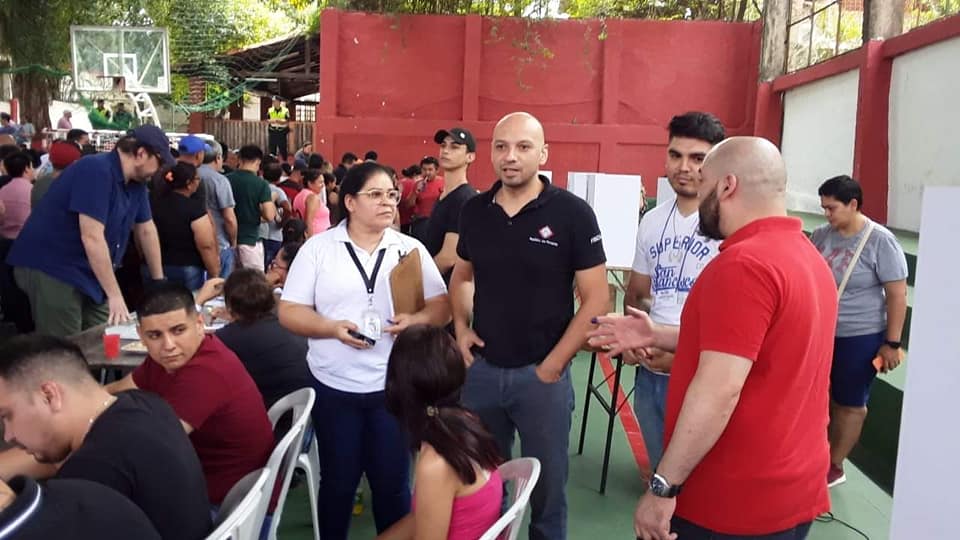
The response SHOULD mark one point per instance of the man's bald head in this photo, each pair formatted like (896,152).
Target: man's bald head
(741,179)
(754,161)
(518,149)
(521,122)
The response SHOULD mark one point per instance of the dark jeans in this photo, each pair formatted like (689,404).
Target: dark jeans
(277,143)
(356,435)
(270,249)
(688,531)
(510,400)
(191,277)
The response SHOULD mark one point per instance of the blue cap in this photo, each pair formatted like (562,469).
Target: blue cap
(154,138)
(191,145)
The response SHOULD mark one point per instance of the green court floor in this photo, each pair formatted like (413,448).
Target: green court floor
(593,516)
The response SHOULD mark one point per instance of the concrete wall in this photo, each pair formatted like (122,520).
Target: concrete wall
(924,116)
(819,123)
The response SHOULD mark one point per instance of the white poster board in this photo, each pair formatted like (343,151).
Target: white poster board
(925,496)
(548,174)
(665,192)
(615,199)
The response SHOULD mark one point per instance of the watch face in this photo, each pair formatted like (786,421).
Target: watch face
(657,486)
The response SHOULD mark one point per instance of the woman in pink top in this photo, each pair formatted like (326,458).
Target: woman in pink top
(15,194)
(311,205)
(458,492)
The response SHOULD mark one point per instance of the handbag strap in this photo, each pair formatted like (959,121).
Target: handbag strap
(853,261)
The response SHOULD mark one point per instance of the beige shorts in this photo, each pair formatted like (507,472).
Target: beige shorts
(250,256)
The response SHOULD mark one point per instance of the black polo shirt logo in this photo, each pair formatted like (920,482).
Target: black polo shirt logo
(545,233)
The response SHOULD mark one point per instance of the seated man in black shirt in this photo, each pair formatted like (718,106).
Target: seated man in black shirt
(457,151)
(55,413)
(69,509)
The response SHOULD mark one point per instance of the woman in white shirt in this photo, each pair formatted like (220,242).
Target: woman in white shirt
(337,294)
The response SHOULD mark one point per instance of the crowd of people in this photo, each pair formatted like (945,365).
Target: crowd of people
(734,319)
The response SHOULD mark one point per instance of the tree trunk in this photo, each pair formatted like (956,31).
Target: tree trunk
(35,91)
(741,10)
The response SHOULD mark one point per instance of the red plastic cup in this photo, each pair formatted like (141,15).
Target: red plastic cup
(111,346)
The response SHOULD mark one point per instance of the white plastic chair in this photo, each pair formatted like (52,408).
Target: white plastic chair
(283,459)
(309,463)
(241,513)
(524,473)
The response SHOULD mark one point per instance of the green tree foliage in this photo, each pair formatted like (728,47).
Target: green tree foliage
(36,33)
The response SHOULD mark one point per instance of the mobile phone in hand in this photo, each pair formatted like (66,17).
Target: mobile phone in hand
(357,335)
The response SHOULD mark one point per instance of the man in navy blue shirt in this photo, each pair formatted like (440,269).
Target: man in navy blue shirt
(65,256)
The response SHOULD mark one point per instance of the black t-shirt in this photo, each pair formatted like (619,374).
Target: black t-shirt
(275,358)
(173,214)
(524,268)
(445,218)
(71,509)
(138,447)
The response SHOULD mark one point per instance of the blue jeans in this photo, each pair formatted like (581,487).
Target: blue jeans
(689,531)
(649,403)
(356,435)
(228,257)
(514,399)
(190,277)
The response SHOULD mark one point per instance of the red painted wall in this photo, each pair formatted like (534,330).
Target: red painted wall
(603,90)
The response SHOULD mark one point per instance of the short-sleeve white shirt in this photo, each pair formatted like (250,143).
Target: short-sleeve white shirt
(324,276)
(671,250)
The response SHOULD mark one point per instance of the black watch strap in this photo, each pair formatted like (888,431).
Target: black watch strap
(661,487)
(892,344)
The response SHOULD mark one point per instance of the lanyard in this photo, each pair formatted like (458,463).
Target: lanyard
(368,281)
(683,261)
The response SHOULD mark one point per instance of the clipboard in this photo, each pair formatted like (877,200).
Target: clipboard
(406,284)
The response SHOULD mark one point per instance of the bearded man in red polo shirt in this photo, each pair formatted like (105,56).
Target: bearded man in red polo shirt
(746,419)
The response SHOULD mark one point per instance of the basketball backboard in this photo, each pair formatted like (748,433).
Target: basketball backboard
(135,58)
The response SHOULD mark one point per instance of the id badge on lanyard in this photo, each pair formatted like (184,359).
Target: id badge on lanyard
(371,323)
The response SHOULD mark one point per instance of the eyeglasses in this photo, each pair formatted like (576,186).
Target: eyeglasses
(278,266)
(380,195)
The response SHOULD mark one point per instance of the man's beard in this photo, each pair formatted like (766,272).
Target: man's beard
(710,217)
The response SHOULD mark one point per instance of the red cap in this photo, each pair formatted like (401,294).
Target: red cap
(63,153)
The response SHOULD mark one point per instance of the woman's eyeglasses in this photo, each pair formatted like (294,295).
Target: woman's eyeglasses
(380,195)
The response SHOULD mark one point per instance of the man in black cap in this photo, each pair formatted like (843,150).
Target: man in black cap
(279,118)
(65,255)
(458,149)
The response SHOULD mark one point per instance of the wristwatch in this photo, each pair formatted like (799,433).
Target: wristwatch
(660,487)
(892,344)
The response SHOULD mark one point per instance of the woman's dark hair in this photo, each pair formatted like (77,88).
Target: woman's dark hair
(842,188)
(314,161)
(357,177)
(17,163)
(411,171)
(329,178)
(289,251)
(294,230)
(424,376)
(179,176)
(248,295)
(310,176)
